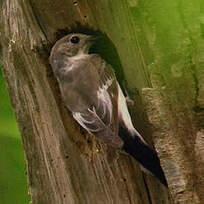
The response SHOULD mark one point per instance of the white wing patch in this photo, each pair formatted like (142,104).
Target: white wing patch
(80,118)
(89,120)
(93,118)
(104,99)
(124,115)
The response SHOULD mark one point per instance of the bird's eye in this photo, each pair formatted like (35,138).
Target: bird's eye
(75,39)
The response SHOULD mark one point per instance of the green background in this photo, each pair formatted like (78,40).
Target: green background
(13,187)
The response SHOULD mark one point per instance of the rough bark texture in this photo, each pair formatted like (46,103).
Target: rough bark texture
(160,46)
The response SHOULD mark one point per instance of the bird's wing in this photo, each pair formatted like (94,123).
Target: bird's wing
(134,144)
(100,118)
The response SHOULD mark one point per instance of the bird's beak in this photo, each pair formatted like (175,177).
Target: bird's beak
(92,38)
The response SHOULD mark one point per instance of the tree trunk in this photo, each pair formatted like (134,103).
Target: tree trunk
(160,46)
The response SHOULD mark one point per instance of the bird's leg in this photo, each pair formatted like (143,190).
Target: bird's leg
(129,101)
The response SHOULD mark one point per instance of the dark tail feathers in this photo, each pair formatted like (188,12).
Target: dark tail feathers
(143,154)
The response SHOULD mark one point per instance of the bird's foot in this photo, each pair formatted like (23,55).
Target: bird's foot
(129,101)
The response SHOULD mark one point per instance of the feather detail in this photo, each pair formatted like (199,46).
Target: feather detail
(134,144)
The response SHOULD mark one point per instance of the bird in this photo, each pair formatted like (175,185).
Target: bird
(92,94)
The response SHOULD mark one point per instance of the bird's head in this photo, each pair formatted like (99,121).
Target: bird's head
(72,45)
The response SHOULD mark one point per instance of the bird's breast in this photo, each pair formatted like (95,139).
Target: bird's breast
(79,88)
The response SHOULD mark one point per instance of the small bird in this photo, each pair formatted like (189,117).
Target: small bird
(91,92)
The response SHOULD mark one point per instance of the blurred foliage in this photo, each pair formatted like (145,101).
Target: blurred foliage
(13,187)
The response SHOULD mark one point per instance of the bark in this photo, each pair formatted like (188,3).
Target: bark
(160,47)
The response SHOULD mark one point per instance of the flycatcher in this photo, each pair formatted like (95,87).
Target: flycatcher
(91,92)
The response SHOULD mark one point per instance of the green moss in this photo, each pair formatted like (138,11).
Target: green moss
(13,188)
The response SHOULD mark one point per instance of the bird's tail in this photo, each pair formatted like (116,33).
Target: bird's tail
(145,155)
